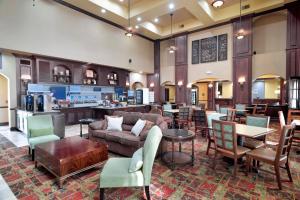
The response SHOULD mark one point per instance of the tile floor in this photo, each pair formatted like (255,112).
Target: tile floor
(19,140)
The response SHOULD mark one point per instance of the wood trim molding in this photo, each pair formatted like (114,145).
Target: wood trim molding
(0,60)
(98,17)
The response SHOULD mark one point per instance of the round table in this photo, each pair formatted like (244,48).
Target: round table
(173,158)
(86,121)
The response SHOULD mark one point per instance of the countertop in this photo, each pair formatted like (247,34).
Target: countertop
(38,112)
(121,107)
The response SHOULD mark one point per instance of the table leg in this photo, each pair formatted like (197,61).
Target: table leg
(193,156)
(60,183)
(172,163)
(179,146)
(35,164)
(80,129)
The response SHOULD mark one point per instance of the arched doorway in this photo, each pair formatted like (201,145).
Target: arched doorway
(4,116)
(268,89)
(137,85)
(169,92)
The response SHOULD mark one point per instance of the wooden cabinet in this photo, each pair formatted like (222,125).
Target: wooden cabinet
(73,115)
(43,68)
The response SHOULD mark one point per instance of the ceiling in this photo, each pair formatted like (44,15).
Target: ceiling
(188,14)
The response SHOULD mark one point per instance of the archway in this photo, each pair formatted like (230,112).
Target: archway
(268,89)
(4,108)
(137,85)
(168,91)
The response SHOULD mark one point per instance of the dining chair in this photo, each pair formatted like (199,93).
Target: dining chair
(168,117)
(254,109)
(294,115)
(115,172)
(183,117)
(240,114)
(225,137)
(281,119)
(276,158)
(199,118)
(40,130)
(202,106)
(259,121)
(217,107)
(210,137)
(230,113)
(263,109)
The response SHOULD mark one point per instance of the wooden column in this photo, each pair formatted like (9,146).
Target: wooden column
(211,97)
(181,67)
(293,40)
(155,77)
(242,61)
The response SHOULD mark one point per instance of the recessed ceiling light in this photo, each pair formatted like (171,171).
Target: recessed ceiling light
(156,20)
(217,3)
(140,72)
(137,27)
(171,6)
(103,10)
(139,19)
(121,0)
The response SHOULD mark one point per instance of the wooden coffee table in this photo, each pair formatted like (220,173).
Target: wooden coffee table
(69,156)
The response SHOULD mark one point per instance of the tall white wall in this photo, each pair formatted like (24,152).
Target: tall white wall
(9,71)
(269,42)
(54,30)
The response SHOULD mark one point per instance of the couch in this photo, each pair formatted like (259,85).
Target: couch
(124,142)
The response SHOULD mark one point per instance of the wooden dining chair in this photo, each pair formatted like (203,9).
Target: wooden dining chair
(183,117)
(276,158)
(281,119)
(294,115)
(217,106)
(210,137)
(225,137)
(263,109)
(168,117)
(199,118)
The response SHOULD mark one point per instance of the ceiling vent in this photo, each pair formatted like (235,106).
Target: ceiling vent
(245,7)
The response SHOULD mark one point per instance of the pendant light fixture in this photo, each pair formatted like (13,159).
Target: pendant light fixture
(129,32)
(240,33)
(172,47)
(217,3)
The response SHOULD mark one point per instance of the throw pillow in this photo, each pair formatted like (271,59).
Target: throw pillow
(138,127)
(146,129)
(114,123)
(136,162)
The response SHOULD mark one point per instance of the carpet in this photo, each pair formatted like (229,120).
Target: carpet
(189,182)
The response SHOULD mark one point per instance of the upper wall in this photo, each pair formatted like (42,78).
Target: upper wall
(222,69)
(54,30)
(167,63)
(269,43)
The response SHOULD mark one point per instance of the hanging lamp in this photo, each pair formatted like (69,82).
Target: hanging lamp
(129,32)
(172,47)
(240,34)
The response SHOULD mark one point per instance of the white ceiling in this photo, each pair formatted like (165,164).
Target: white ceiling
(188,14)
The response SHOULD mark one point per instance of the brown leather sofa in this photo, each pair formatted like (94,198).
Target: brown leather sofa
(124,142)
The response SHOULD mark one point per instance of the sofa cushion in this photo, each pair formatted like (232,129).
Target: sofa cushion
(114,136)
(155,118)
(129,139)
(146,129)
(130,118)
(126,127)
(98,125)
(100,133)
(138,127)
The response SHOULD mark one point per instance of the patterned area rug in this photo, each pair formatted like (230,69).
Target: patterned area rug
(188,182)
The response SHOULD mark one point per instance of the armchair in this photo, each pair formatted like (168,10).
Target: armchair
(40,130)
(116,173)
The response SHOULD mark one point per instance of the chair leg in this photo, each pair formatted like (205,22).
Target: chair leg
(278,177)
(101,193)
(147,191)
(208,146)
(29,150)
(288,171)
(32,154)
(214,160)
(235,167)
(248,162)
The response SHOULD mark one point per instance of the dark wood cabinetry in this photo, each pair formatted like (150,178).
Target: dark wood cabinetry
(73,115)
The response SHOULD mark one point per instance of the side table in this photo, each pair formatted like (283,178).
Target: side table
(86,121)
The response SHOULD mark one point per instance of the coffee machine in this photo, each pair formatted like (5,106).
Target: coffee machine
(40,103)
(29,102)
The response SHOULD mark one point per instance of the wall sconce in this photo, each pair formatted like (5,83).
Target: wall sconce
(152,85)
(25,78)
(127,84)
(180,83)
(242,80)
(189,85)
(210,85)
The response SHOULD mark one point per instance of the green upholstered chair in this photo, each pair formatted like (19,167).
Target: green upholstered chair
(40,130)
(259,121)
(226,142)
(116,173)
